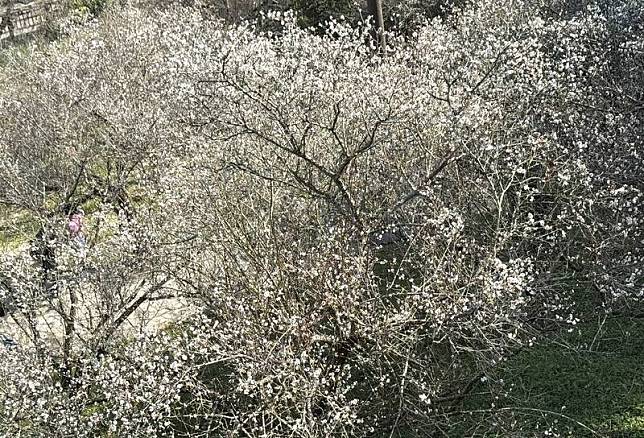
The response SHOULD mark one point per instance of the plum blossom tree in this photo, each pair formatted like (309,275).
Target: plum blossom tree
(356,254)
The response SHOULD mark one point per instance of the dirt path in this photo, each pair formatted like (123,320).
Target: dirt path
(47,321)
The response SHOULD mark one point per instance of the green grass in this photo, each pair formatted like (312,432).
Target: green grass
(589,379)
(16,228)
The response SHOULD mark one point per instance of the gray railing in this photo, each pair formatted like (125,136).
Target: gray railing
(23,17)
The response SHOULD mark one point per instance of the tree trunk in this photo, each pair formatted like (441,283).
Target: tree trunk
(378,33)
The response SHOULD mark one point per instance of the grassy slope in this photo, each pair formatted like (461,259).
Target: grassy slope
(593,376)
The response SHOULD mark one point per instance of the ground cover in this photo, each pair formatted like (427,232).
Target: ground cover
(586,382)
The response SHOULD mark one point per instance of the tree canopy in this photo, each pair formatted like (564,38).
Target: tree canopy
(354,239)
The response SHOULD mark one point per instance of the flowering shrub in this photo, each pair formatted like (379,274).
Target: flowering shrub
(359,238)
